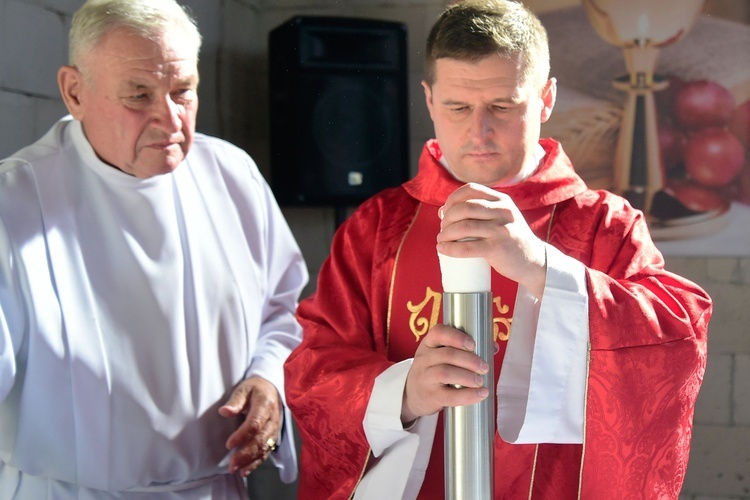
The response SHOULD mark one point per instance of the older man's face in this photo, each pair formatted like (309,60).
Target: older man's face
(138,101)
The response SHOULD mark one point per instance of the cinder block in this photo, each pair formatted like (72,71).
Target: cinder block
(46,113)
(271,19)
(34,42)
(724,270)
(714,405)
(703,497)
(313,230)
(64,6)
(728,330)
(16,122)
(301,4)
(363,4)
(244,35)
(745,271)
(419,116)
(540,6)
(719,462)
(692,268)
(741,393)
(244,64)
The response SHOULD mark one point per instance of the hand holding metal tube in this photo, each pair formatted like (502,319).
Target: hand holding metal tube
(479,222)
(445,358)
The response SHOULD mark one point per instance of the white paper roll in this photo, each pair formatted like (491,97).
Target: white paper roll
(465,275)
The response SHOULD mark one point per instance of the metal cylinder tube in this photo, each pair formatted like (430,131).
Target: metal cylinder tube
(469,430)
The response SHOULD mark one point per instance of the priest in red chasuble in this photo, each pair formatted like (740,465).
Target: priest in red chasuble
(601,351)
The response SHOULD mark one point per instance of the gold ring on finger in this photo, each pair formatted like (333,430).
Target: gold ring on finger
(271,444)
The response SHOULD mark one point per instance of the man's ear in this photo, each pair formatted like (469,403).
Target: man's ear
(428,96)
(71,83)
(549,96)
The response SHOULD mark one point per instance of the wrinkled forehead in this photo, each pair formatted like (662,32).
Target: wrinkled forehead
(172,44)
(125,50)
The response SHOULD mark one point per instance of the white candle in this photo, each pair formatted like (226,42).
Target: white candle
(465,275)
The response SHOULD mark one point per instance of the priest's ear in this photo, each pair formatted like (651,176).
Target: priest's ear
(70,81)
(548,97)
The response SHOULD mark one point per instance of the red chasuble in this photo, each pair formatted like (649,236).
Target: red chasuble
(380,291)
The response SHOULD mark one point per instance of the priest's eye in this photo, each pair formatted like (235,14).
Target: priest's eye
(183,96)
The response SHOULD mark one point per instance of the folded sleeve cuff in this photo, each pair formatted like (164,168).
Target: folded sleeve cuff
(543,378)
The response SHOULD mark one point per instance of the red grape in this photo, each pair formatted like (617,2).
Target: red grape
(696,197)
(713,157)
(672,144)
(701,104)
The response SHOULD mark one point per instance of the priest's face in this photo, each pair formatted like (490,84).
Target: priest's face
(137,99)
(487,121)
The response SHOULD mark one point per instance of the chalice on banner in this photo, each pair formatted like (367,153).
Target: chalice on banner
(641,28)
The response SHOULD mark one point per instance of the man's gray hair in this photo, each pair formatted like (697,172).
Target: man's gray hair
(147,18)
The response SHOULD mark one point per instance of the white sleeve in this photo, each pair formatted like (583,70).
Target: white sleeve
(400,456)
(7,354)
(280,333)
(13,318)
(542,382)
(286,275)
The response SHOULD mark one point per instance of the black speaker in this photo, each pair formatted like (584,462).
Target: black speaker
(338,110)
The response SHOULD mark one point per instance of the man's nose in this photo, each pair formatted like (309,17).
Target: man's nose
(481,125)
(167,115)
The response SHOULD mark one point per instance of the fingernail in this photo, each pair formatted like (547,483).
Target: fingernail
(441,212)
(483,367)
(483,392)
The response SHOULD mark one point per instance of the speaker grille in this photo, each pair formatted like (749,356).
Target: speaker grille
(342,133)
(339,123)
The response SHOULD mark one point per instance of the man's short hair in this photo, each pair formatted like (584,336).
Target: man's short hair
(147,18)
(473,29)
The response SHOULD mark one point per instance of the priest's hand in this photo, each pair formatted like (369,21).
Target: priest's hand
(259,401)
(445,358)
(480,222)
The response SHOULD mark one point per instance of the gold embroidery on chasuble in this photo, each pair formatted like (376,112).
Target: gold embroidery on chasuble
(426,314)
(416,292)
(501,320)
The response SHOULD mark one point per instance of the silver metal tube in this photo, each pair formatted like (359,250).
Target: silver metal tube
(469,430)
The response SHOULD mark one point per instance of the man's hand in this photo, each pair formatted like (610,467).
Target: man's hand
(445,357)
(480,222)
(259,401)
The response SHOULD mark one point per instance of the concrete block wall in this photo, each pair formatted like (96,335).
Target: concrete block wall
(719,467)
(32,38)
(234,105)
